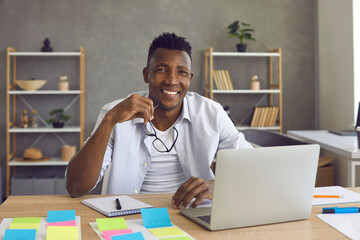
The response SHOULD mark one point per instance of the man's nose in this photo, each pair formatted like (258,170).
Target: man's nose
(172,78)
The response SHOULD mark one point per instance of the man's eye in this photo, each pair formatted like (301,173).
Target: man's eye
(160,70)
(184,73)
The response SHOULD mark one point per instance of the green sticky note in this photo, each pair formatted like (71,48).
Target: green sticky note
(178,238)
(24,226)
(111,224)
(26,220)
(62,233)
(166,232)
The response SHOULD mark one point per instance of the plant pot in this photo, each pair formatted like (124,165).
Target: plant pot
(241,47)
(58,124)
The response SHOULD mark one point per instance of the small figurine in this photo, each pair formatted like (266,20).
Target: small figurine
(63,84)
(46,47)
(34,119)
(255,83)
(24,119)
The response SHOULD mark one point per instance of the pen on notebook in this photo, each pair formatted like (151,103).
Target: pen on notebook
(341,210)
(328,196)
(118,205)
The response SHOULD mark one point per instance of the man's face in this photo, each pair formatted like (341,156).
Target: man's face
(169,75)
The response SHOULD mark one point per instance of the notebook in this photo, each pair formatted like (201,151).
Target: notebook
(107,205)
(260,186)
(348,132)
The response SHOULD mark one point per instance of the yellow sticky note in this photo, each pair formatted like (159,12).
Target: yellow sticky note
(111,224)
(24,225)
(166,232)
(62,233)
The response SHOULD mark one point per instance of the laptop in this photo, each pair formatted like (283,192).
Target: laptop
(349,132)
(260,186)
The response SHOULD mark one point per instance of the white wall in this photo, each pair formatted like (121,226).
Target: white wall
(356,30)
(336,64)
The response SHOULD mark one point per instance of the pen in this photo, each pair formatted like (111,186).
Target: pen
(118,205)
(341,210)
(328,196)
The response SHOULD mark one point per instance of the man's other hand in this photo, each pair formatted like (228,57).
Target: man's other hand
(194,187)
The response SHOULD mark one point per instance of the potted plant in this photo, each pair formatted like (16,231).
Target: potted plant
(59,118)
(243,32)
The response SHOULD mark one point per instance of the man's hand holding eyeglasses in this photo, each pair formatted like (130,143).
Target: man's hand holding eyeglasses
(194,187)
(134,106)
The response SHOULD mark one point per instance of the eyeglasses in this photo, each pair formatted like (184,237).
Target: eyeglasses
(158,144)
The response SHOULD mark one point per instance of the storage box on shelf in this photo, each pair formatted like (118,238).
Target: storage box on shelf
(274,89)
(48,96)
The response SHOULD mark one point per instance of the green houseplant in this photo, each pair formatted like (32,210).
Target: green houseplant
(59,118)
(243,32)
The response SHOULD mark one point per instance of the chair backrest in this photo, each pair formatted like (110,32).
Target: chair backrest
(266,138)
(105,180)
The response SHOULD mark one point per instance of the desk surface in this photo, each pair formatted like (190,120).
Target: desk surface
(37,206)
(344,145)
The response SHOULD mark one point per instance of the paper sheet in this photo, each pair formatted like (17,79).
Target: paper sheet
(40,234)
(137,226)
(348,224)
(349,196)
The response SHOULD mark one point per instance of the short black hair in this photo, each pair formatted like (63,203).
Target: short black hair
(169,41)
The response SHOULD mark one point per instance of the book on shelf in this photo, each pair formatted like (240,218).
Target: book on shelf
(222,80)
(264,116)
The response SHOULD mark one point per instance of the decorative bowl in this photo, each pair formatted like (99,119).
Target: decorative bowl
(30,85)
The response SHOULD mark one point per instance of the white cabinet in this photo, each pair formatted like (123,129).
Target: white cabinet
(275,85)
(15,96)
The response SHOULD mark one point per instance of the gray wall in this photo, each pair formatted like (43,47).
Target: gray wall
(116,35)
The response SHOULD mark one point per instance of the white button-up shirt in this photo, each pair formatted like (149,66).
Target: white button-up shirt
(203,126)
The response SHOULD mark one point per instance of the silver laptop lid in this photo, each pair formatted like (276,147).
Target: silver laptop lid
(263,185)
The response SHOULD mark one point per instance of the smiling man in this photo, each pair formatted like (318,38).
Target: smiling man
(160,141)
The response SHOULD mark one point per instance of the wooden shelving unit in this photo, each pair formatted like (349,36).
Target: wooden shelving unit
(275,88)
(11,102)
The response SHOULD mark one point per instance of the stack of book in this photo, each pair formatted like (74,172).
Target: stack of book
(222,80)
(264,116)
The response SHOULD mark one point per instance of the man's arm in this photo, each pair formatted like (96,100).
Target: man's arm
(84,169)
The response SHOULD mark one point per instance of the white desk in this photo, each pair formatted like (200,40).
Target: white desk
(346,146)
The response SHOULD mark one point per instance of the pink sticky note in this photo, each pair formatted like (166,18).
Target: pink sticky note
(62,224)
(108,233)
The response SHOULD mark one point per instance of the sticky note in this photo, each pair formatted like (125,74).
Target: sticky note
(178,238)
(60,216)
(62,233)
(155,217)
(20,234)
(111,224)
(26,220)
(130,236)
(107,234)
(167,232)
(63,224)
(24,226)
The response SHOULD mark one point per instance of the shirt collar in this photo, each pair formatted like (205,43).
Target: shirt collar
(184,114)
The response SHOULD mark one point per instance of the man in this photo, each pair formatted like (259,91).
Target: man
(163,140)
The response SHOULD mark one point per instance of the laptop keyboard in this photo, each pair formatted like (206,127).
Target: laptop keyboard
(205,218)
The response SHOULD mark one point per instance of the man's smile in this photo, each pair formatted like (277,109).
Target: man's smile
(173,93)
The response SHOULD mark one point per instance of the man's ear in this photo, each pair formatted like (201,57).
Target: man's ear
(145,75)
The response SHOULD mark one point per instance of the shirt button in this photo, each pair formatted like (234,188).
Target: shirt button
(145,164)
(135,191)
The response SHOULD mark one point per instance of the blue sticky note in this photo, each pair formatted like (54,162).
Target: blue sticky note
(20,234)
(60,216)
(130,236)
(155,217)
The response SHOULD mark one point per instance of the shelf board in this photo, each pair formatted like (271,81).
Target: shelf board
(55,161)
(246,54)
(42,92)
(45,54)
(242,127)
(66,129)
(247,91)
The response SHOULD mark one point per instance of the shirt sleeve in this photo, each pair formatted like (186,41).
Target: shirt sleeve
(230,137)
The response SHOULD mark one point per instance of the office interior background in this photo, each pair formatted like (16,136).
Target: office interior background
(318,41)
